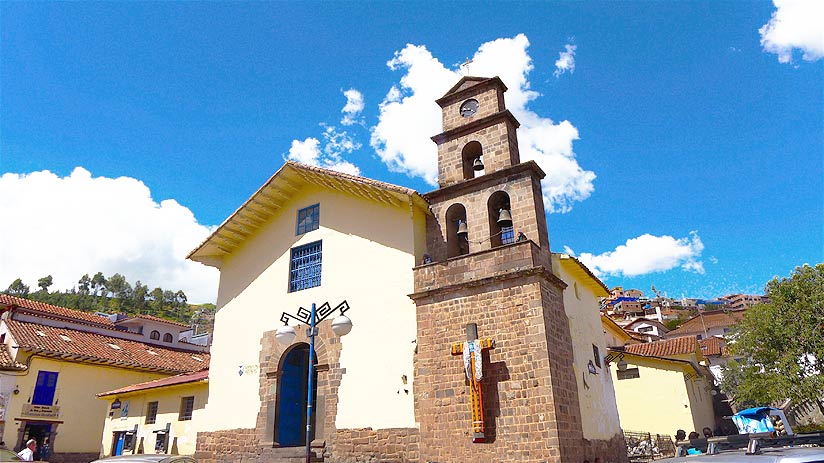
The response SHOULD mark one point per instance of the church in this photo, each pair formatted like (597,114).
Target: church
(470,340)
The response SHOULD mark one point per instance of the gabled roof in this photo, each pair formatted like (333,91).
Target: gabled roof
(83,346)
(580,271)
(715,319)
(152,318)
(466,83)
(184,378)
(668,347)
(281,187)
(53,311)
(610,325)
(649,321)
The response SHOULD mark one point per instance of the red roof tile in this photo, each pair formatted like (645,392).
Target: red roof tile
(712,345)
(6,362)
(184,378)
(81,345)
(53,310)
(675,346)
(716,319)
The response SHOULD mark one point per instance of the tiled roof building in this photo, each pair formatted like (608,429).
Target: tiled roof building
(684,345)
(708,324)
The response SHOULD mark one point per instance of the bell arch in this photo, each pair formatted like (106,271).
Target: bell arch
(456,243)
(472,159)
(499,212)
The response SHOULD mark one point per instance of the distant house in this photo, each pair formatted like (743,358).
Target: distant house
(647,327)
(744,301)
(156,416)
(708,324)
(662,386)
(60,358)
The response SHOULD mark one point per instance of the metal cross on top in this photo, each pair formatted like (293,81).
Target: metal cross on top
(473,364)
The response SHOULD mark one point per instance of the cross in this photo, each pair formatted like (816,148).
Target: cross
(465,67)
(473,364)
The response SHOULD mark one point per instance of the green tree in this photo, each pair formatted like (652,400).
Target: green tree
(44,283)
(17,288)
(84,284)
(781,344)
(98,283)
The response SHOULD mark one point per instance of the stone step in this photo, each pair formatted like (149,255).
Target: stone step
(290,455)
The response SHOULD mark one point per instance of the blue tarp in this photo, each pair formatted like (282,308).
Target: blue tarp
(754,420)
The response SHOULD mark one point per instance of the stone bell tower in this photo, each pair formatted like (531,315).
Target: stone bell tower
(489,267)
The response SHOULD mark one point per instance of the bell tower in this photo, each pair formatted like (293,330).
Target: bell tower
(490,267)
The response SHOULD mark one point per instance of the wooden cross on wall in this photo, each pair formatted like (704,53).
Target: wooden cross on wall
(471,351)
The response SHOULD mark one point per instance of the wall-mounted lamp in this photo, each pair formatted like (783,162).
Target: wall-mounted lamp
(622,365)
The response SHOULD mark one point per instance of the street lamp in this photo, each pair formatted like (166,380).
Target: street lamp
(341,325)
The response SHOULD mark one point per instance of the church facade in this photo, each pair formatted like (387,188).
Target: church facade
(471,340)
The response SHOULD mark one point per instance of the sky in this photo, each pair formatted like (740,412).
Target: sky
(683,141)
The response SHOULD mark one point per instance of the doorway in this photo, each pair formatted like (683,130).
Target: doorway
(290,429)
(36,431)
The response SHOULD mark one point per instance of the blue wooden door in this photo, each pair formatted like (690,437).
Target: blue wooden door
(291,426)
(45,387)
(121,436)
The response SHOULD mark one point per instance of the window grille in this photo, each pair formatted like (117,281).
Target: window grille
(308,219)
(507,235)
(305,269)
(151,413)
(187,405)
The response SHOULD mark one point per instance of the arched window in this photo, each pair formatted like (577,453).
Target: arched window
(471,153)
(500,229)
(456,243)
(155,335)
(167,337)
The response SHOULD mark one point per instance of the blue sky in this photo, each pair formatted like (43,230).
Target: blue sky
(683,140)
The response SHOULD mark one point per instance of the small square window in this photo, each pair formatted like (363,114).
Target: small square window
(308,219)
(151,413)
(305,267)
(187,405)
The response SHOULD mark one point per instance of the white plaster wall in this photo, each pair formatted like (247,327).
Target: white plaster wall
(368,255)
(599,410)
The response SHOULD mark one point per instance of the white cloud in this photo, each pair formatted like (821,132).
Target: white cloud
(78,224)
(409,116)
(306,151)
(336,144)
(353,108)
(795,24)
(647,254)
(566,61)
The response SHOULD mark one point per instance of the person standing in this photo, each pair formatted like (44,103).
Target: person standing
(45,450)
(27,454)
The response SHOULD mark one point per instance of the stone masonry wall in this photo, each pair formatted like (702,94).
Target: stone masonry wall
(233,445)
(529,394)
(399,445)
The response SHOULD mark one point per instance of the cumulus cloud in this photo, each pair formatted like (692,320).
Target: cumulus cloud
(795,24)
(566,61)
(336,143)
(353,108)
(647,254)
(409,116)
(78,224)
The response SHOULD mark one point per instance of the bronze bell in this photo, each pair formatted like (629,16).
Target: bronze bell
(462,229)
(504,218)
(478,164)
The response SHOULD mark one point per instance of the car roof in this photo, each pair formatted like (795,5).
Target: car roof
(773,455)
(144,458)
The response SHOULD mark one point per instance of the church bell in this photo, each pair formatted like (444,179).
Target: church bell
(462,230)
(504,218)
(478,164)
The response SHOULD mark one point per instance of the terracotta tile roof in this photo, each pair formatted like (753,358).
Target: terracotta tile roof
(54,311)
(152,318)
(66,343)
(675,346)
(717,319)
(184,378)
(6,362)
(712,346)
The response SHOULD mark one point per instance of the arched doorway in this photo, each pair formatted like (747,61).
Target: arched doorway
(290,429)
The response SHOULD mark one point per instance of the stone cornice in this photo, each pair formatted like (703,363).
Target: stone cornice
(474,126)
(485,180)
(538,271)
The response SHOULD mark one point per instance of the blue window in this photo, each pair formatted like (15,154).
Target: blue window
(308,219)
(45,387)
(507,235)
(304,271)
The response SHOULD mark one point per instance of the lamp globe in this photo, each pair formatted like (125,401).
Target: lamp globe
(285,335)
(341,325)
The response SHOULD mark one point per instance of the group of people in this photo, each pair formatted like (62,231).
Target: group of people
(31,453)
(682,435)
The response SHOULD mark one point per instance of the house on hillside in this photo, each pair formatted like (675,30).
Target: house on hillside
(662,386)
(708,324)
(58,359)
(156,416)
(647,327)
